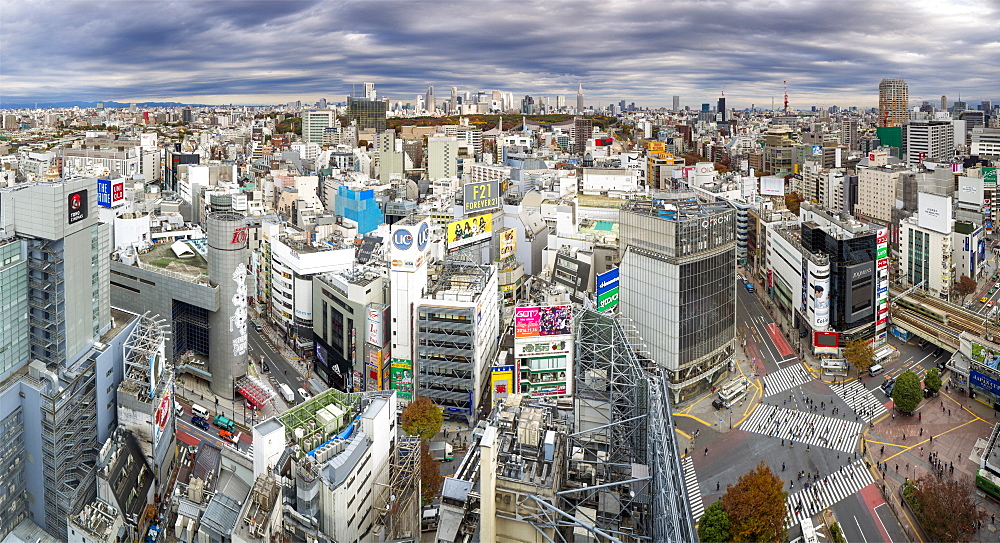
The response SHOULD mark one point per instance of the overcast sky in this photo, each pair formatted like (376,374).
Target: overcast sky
(219,52)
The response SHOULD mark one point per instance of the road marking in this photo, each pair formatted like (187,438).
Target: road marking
(784,379)
(860,531)
(861,400)
(878,517)
(826,492)
(693,490)
(793,425)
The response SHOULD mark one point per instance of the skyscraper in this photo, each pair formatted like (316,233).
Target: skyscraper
(677,103)
(453,106)
(893,97)
(367,113)
(429,99)
(579,99)
(369,90)
(721,109)
(944,103)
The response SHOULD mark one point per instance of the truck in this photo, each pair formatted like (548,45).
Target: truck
(224,422)
(441,451)
(286,393)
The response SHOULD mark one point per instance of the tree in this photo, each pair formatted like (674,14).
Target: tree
(860,353)
(422,418)
(793,201)
(756,506)
(965,286)
(431,480)
(906,392)
(945,508)
(932,380)
(714,524)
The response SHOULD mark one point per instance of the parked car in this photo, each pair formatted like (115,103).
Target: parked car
(227,435)
(199,422)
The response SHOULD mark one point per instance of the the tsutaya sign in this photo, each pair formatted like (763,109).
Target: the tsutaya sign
(607,290)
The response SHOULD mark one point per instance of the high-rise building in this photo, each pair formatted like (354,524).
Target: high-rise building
(677,103)
(442,157)
(453,106)
(944,103)
(429,100)
(721,109)
(315,123)
(928,140)
(369,90)
(367,113)
(677,284)
(893,97)
(583,129)
(849,134)
(986,106)
(579,99)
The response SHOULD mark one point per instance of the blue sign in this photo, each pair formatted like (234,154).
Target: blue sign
(423,236)
(984,382)
(402,239)
(104,192)
(982,250)
(607,281)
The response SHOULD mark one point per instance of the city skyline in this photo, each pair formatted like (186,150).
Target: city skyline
(270,52)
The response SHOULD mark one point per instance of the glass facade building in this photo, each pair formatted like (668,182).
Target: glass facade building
(14,345)
(678,285)
(367,113)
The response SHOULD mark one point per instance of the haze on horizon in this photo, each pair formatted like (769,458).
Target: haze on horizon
(643,51)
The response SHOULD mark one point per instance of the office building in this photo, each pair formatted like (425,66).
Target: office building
(367,113)
(351,329)
(925,252)
(579,100)
(927,140)
(583,130)
(442,157)
(893,100)
(877,185)
(850,137)
(986,143)
(315,123)
(723,114)
(688,249)
(676,103)
(430,100)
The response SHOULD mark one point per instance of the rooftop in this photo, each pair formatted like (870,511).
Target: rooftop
(675,205)
(160,256)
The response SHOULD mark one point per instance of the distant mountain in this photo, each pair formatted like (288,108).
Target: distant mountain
(89,105)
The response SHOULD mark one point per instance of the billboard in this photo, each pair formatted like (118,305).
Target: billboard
(542,347)
(401,377)
(819,292)
(376,316)
(934,212)
(826,342)
(570,272)
(470,230)
(508,243)
(881,285)
(550,320)
(502,381)
(148,140)
(990,175)
(970,190)
(607,290)
(481,196)
(164,410)
(408,245)
(772,186)
(373,370)
(76,206)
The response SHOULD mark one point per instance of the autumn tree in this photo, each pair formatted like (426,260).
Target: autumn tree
(945,508)
(422,418)
(860,353)
(756,506)
(431,480)
(906,393)
(714,524)
(793,200)
(965,286)
(932,380)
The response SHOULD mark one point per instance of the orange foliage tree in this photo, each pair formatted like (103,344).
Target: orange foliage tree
(431,480)
(422,418)
(756,506)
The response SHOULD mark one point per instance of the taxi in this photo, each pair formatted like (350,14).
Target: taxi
(984,299)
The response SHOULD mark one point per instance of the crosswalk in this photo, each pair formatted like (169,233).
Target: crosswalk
(823,493)
(694,492)
(784,379)
(860,399)
(798,426)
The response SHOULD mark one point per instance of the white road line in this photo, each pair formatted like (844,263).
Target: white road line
(799,426)
(859,399)
(860,531)
(694,491)
(828,491)
(784,379)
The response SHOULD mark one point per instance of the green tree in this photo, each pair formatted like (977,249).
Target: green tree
(945,508)
(422,418)
(906,393)
(932,380)
(859,353)
(756,506)
(714,524)
(431,480)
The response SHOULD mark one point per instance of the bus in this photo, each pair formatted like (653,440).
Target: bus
(733,391)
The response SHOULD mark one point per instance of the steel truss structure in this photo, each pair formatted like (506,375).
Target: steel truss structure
(624,479)
(398,503)
(143,357)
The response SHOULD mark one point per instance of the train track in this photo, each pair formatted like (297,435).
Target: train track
(959,318)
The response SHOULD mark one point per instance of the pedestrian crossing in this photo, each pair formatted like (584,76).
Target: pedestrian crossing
(693,490)
(860,399)
(822,493)
(798,426)
(784,379)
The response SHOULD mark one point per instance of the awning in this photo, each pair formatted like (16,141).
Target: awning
(255,391)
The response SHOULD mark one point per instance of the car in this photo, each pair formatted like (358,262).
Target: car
(257,327)
(199,422)
(887,385)
(993,289)
(265,367)
(997,285)
(305,395)
(984,299)
(227,435)
(803,333)
(938,352)
(990,303)
(718,404)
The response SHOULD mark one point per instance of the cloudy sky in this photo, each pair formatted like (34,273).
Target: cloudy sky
(219,52)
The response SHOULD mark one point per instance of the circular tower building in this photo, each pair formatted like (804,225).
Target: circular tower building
(227,270)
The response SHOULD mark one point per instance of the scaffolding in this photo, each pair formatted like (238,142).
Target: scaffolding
(398,503)
(144,356)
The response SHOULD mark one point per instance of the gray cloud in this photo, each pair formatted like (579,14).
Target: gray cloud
(222,51)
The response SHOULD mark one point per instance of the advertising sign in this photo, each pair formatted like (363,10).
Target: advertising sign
(881,286)
(984,382)
(524,348)
(772,186)
(470,230)
(607,290)
(148,140)
(408,245)
(162,417)
(76,206)
(401,377)
(502,381)
(820,292)
(817,150)
(373,370)
(481,196)
(990,175)
(550,320)
(104,192)
(571,273)
(934,212)
(375,321)
(508,243)
(825,342)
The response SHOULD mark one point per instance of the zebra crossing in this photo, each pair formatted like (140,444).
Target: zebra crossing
(784,379)
(860,399)
(693,490)
(830,432)
(822,493)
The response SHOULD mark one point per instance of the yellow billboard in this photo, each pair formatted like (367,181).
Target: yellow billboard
(508,243)
(470,230)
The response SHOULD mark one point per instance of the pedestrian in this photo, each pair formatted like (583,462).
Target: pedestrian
(782,466)
(717,486)
(932,438)
(921,432)
(706,451)
(949,411)
(920,417)
(882,450)
(897,468)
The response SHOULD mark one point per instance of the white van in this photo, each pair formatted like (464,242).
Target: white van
(875,370)
(178,409)
(199,411)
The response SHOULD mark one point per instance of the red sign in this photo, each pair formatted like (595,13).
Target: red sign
(770,278)
(117,192)
(241,235)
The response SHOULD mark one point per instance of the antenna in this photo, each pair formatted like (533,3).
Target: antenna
(786,95)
